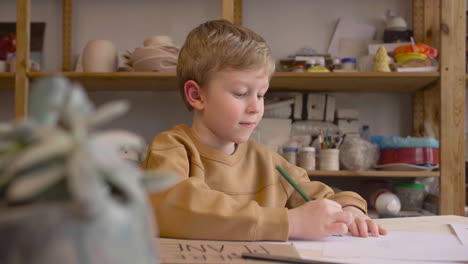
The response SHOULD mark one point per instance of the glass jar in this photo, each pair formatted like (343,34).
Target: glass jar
(336,65)
(290,154)
(365,133)
(411,195)
(307,158)
(349,64)
(299,68)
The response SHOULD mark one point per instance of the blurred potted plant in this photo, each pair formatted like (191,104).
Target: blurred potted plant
(66,196)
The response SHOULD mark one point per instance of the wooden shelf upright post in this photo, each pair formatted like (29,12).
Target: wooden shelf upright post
(23,29)
(441,24)
(426,105)
(67,36)
(232,11)
(452,106)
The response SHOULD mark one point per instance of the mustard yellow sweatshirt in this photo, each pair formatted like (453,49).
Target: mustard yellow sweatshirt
(228,197)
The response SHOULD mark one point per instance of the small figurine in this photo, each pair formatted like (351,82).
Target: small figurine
(382,60)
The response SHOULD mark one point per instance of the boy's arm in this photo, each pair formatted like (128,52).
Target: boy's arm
(320,218)
(190,209)
(315,190)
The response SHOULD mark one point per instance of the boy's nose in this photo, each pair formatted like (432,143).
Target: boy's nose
(254,105)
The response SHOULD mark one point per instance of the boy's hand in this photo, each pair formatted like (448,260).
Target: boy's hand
(362,224)
(318,219)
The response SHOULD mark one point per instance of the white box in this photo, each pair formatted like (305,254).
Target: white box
(347,113)
(298,105)
(330,107)
(278,109)
(349,126)
(316,106)
(297,96)
(320,107)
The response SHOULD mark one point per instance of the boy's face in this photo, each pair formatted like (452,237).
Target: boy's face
(233,105)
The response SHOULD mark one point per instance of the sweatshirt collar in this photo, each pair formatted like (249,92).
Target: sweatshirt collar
(215,154)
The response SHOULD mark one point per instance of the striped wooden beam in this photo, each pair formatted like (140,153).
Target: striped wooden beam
(67,37)
(452,106)
(23,29)
(232,11)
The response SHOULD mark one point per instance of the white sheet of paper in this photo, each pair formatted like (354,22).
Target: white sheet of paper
(368,260)
(352,47)
(411,246)
(347,28)
(462,232)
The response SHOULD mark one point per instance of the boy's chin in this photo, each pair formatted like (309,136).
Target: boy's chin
(241,140)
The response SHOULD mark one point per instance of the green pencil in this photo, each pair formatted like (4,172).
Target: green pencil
(290,180)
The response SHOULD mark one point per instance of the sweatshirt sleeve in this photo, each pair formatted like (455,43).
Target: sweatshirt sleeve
(316,190)
(192,210)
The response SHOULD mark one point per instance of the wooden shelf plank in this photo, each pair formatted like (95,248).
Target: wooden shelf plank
(287,81)
(7,81)
(353,82)
(124,81)
(374,173)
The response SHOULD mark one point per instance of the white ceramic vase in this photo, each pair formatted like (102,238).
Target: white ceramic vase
(100,56)
(387,204)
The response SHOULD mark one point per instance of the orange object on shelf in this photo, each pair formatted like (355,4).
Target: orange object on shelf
(422,48)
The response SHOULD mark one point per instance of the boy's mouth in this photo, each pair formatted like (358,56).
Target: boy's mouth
(247,124)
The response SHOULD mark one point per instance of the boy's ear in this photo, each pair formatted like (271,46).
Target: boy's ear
(193,94)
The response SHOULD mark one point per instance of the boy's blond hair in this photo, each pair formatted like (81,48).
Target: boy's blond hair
(217,45)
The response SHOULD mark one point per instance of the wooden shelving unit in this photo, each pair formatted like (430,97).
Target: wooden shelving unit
(7,81)
(439,97)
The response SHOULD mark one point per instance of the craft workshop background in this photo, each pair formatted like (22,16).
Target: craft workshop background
(339,38)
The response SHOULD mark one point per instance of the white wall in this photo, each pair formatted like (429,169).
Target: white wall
(6,105)
(286,25)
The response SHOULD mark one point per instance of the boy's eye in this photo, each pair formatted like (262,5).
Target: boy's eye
(260,96)
(240,94)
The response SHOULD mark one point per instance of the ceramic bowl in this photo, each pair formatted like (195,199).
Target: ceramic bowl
(414,155)
(397,23)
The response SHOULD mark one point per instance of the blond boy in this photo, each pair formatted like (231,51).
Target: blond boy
(229,188)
